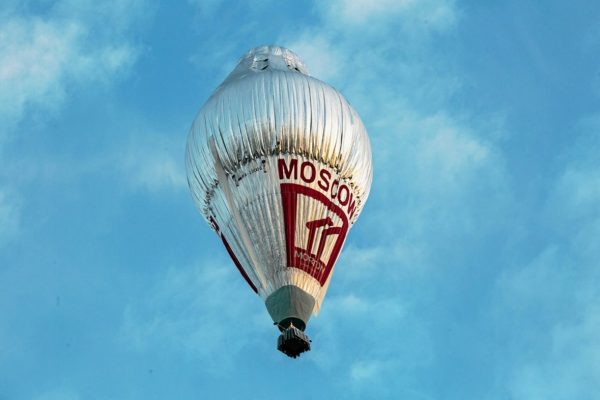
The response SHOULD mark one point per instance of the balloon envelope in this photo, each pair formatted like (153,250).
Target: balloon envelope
(279,164)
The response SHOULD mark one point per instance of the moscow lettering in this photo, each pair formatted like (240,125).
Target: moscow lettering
(308,173)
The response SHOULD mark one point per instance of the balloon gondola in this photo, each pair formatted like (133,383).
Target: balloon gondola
(279,165)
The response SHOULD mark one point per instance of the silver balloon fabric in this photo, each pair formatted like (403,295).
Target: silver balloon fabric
(279,164)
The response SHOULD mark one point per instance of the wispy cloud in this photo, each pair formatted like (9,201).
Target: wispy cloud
(152,163)
(45,57)
(145,161)
(567,364)
(554,298)
(202,312)
(432,14)
(315,48)
(387,351)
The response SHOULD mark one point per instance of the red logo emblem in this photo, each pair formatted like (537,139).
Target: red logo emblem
(315,230)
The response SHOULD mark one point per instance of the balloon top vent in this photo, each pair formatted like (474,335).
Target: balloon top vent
(265,58)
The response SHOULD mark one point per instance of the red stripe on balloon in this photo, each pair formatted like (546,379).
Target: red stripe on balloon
(237,264)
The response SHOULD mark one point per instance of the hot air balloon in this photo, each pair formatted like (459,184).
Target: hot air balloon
(279,165)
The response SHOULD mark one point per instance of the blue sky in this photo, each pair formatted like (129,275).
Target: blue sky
(472,273)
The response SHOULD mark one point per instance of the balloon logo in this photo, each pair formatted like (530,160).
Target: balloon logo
(279,164)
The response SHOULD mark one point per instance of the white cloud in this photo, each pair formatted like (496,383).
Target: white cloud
(315,49)
(204,312)
(572,208)
(153,163)
(350,303)
(440,150)
(43,58)
(385,351)
(32,65)
(580,188)
(549,270)
(360,262)
(137,158)
(554,299)
(364,370)
(114,20)
(556,351)
(568,367)
(431,14)
(437,182)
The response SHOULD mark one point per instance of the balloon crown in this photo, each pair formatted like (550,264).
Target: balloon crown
(267,58)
